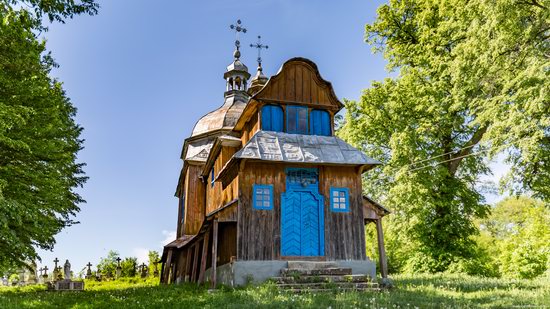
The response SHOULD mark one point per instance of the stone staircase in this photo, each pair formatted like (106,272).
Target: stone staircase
(305,276)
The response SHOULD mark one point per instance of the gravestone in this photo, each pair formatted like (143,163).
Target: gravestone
(5,281)
(89,271)
(118,269)
(45,275)
(66,284)
(143,270)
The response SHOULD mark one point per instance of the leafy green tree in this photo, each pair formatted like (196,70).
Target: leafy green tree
(517,237)
(39,138)
(129,267)
(107,265)
(472,82)
(154,258)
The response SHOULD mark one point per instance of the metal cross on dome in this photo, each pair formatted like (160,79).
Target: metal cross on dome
(238,28)
(259,46)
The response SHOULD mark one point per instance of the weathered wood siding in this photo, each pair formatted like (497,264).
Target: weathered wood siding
(299,82)
(251,127)
(259,231)
(344,231)
(216,196)
(194,200)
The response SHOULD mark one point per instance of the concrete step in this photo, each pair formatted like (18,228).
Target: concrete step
(333,290)
(335,271)
(322,278)
(308,265)
(329,286)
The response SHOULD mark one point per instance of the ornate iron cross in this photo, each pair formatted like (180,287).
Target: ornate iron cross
(238,28)
(259,46)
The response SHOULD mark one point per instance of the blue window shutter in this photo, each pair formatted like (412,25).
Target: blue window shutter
(339,199)
(266,118)
(325,121)
(272,118)
(320,123)
(262,197)
(277,119)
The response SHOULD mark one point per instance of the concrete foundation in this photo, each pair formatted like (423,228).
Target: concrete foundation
(240,273)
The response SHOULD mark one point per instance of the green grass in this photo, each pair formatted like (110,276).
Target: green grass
(412,291)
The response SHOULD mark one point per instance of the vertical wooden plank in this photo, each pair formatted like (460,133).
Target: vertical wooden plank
(204,256)
(381,249)
(214,253)
(306,92)
(290,84)
(299,83)
(195,262)
(168,267)
(187,271)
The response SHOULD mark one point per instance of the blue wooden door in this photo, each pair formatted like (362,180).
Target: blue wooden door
(302,222)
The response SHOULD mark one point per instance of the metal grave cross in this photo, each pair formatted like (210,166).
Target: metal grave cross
(259,46)
(238,28)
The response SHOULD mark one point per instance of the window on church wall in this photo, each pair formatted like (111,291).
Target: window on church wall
(262,197)
(339,199)
(272,118)
(296,119)
(320,123)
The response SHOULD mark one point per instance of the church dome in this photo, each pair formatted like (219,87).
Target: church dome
(224,117)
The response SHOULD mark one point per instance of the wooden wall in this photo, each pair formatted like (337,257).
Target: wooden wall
(344,232)
(251,127)
(216,196)
(194,200)
(299,82)
(258,231)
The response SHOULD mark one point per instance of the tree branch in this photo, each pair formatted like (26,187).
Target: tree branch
(467,149)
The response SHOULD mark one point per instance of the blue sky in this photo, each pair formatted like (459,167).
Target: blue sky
(141,73)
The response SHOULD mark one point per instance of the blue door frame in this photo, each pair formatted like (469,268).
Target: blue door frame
(302,214)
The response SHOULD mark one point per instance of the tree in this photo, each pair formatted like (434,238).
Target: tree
(129,267)
(472,83)
(39,139)
(517,235)
(154,259)
(107,265)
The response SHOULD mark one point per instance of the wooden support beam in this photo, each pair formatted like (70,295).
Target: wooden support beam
(381,249)
(214,253)
(204,256)
(195,262)
(187,271)
(168,267)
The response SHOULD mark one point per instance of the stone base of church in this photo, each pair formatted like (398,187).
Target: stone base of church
(238,273)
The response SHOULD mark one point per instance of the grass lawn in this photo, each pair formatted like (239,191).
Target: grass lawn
(418,291)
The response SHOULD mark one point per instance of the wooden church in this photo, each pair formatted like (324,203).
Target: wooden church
(266,184)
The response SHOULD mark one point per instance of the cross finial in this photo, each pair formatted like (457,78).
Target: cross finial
(238,28)
(259,46)
(89,264)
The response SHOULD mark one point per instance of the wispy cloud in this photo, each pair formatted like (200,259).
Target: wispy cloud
(169,236)
(142,254)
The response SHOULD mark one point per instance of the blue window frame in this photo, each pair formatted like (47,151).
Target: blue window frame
(339,199)
(272,118)
(212,178)
(320,123)
(296,119)
(262,197)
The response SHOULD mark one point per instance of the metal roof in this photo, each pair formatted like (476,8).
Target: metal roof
(224,117)
(285,147)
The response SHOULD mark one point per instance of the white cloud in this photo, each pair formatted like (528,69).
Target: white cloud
(169,236)
(142,254)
